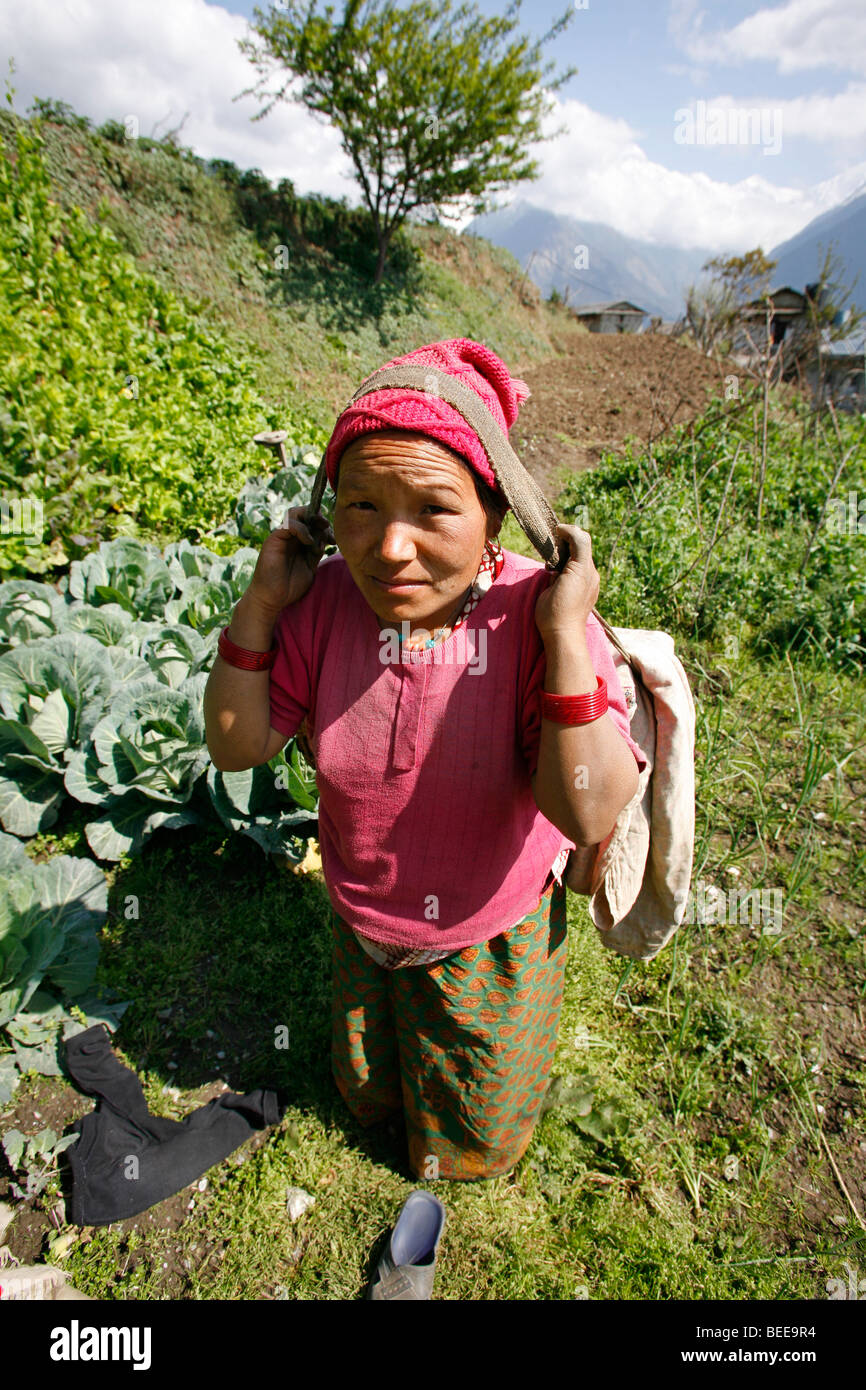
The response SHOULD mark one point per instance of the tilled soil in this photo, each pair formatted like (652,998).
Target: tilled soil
(606,388)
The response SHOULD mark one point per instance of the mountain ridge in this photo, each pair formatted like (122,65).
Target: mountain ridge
(843,227)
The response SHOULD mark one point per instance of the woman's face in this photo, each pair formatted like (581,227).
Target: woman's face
(409,525)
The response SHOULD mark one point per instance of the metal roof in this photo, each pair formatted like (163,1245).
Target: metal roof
(853,345)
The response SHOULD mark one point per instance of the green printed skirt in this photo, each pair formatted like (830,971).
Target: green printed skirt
(464,1046)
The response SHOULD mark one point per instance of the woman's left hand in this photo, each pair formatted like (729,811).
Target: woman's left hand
(564,606)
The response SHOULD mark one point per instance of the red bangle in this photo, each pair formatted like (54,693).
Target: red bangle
(575,709)
(242,658)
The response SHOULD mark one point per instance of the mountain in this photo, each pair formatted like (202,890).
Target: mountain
(591,259)
(843,228)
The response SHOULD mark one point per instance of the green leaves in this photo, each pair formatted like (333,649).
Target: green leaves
(131,415)
(151,740)
(107,707)
(52,693)
(27,610)
(271,803)
(125,413)
(665,563)
(34,1159)
(50,916)
(262,503)
(576,1097)
(128,573)
(300,778)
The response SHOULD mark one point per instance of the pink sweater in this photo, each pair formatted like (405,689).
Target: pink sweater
(429,833)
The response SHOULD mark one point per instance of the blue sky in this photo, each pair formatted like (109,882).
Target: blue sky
(660,141)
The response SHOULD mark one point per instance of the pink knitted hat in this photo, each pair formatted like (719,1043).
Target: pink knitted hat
(403,409)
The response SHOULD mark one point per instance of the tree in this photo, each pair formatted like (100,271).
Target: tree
(713,309)
(709,311)
(745,278)
(431,106)
(723,314)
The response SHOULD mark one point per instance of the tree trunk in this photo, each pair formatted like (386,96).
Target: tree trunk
(381,258)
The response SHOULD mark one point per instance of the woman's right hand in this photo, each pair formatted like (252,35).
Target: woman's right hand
(288,559)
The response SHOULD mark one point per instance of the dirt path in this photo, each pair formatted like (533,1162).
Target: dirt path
(606,388)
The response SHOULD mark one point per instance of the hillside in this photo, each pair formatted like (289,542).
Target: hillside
(314,326)
(605,389)
(703,1134)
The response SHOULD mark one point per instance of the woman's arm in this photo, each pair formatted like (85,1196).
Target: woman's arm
(237,711)
(586,773)
(237,708)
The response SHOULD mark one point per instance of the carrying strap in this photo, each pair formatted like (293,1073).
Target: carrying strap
(533,512)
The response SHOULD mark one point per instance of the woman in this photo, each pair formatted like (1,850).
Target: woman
(468,729)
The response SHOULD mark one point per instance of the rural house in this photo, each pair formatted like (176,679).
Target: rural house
(789,319)
(612,316)
(832,367)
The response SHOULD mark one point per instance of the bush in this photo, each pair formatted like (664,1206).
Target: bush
(58,113)
(309,225)
(113,131)
(683,550)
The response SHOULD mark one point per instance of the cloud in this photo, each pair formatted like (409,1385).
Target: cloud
(159,61)
(840,118)
(598,171)
(698,77)
(796,36)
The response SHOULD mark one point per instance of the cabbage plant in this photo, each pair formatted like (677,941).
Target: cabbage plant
(149,747)
(53,692)
(274,803)
(101,693)
(50,917)
(263,502)
(125,571)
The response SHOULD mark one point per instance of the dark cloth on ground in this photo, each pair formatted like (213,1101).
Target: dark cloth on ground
(126,1159)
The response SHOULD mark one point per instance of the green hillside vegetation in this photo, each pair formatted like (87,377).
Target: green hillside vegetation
(212,232)
(705,1136)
